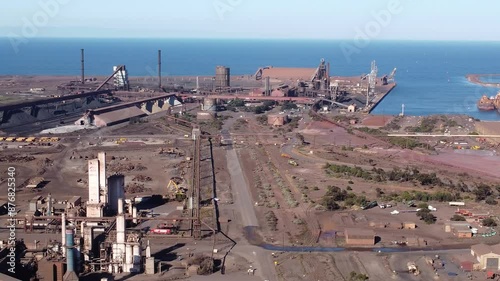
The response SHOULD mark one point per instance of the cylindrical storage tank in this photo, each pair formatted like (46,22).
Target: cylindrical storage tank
(137,257)
(128,258)
(222,77)
(70,253)
(209,104)
(116,187)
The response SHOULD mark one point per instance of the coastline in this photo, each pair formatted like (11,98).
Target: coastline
(476,79)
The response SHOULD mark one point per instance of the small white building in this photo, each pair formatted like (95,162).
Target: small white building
(351,108)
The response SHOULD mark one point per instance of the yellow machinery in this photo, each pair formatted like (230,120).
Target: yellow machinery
(121,140)
(30,139)
(10,139)
(286,155)
(174,191)
(20,139)
(2,138)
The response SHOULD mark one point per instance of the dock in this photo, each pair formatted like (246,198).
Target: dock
(380,97)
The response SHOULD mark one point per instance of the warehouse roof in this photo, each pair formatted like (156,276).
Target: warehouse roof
(462,228)
(286,73)
(359,233)
(120,115)
(483,249)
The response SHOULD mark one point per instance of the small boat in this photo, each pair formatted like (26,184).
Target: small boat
(486,104)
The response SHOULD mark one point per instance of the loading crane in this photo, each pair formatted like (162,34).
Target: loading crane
(389,78)
(372,82)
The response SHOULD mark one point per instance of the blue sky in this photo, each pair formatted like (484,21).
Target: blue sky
(319,19)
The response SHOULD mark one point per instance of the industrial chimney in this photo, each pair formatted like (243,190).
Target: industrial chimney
(70,274)
(83,66)
(159,69)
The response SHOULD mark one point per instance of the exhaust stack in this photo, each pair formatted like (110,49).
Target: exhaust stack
(83,66)
(159,69)
(70,274)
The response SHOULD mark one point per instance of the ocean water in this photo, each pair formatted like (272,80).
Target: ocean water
(430,76)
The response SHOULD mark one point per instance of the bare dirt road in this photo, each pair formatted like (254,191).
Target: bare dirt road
(243,199)
(242,195)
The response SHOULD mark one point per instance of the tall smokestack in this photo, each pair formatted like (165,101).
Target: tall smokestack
(63,232)
(70,274)
(83,66)
(159,69)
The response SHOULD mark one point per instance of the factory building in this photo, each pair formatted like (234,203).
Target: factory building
(460,229)
(281,74)
(88,242)
(315,79)
(487,256)
(362,237)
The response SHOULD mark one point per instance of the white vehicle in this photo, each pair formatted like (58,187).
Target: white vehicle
(395,212)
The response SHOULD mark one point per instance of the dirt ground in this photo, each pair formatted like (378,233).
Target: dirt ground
(489,128)
(376,121)
(377,266)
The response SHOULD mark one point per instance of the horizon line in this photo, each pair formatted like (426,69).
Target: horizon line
(261,38)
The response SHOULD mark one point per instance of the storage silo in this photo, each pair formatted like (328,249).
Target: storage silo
(116,189)
(222,77)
